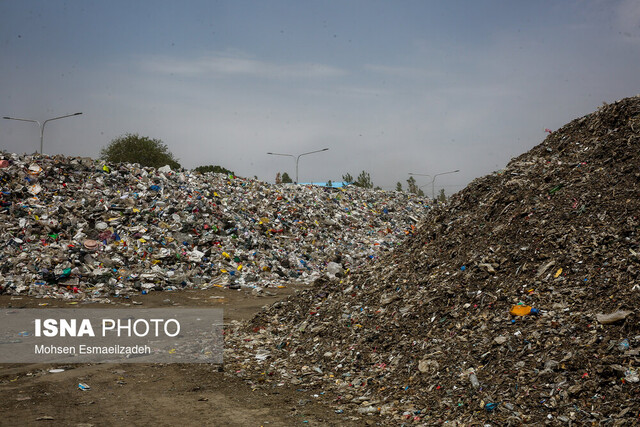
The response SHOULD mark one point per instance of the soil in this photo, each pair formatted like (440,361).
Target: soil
(156,394)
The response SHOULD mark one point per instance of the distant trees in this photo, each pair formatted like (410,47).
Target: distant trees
(442,197)
(363,180)
(413,188)
(398,186)
(411,185)
(133,148)
(214,169)
(286,179)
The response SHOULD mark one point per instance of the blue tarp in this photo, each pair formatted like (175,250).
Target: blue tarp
(324,184)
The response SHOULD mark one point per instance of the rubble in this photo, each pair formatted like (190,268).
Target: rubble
(80,229)
(424,335)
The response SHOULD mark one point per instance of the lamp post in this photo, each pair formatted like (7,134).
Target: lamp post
(298,158)
(433,180)
(41,125)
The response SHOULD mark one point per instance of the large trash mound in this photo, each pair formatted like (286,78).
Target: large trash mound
(426,335)
(78,228)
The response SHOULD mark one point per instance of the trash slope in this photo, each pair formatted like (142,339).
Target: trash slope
(425,335)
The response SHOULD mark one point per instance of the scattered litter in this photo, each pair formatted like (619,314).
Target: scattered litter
(614,317)
(523,310)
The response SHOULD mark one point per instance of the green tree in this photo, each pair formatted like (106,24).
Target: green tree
(398,186)
(133,148)
(214,169)
(347,179)
(286,179)
(364,180)
(328,184)
(441,196)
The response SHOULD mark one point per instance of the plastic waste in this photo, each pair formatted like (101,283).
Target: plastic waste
(474,380)
(334,269)
(523,310)
(631,375)
(130,228)
(614,317)
(623,345)
(489,407)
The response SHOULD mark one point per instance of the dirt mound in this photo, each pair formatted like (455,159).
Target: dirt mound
(426,334)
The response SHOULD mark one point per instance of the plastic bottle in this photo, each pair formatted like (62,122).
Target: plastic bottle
(474,380)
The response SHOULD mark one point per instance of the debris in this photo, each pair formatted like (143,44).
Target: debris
(405,330)
(523,310)
(83,230)
(614,317)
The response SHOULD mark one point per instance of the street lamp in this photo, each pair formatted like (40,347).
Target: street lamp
(433,180)
(298,158)
(41,125)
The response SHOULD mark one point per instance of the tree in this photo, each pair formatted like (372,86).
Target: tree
(441,196)
(364,180)
(411,185)
(398,186)
(286,179)
(347,179)
(214,169)
(278,178)
(328,184)
(133,148)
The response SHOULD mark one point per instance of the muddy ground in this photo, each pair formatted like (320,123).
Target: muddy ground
(156,394)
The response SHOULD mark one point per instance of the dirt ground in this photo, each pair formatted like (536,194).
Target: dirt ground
(156,394)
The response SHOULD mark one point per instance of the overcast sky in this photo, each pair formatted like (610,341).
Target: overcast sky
(389,87)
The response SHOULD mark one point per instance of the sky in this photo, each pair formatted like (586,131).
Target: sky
(389,87)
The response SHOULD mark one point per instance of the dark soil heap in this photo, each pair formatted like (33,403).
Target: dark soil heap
(426,335)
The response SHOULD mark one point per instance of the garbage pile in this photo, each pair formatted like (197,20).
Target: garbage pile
(78,228)
(517,303)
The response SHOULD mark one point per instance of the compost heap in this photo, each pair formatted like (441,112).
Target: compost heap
(426,335)
(77,228)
